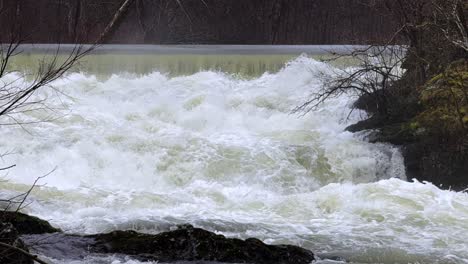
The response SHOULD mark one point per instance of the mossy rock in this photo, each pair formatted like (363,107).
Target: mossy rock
(445,102)
(26,224)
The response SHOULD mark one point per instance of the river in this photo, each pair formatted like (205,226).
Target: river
(152,139)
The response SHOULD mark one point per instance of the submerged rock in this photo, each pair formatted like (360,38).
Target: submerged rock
(192,244)
(59,245)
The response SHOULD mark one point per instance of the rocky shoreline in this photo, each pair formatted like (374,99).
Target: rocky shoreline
(185,243)
(426,110)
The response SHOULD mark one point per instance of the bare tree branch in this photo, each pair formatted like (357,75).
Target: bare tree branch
(112,24)
(376,70)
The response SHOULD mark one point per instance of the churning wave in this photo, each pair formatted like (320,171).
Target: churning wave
(225,153)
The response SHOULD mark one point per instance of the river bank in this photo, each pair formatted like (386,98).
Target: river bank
(427,113)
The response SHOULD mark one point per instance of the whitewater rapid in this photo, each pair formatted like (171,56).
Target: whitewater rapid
(222,152)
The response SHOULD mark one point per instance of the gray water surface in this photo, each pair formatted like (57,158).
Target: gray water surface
(176,60)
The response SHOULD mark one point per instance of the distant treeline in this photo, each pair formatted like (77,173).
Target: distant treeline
(199,21)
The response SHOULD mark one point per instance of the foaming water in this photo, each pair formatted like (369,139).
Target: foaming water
(224,153)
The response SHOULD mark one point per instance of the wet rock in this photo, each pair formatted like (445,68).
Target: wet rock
(59,245)
(183,244)
(371,123)
(194,244)
(9,235)
(14,224)
(439,164)
(26,224)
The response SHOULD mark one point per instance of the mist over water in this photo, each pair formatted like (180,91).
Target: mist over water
(223,152)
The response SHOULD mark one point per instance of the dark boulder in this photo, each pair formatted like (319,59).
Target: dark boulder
(441,164)
(10,236)
(12,226)
(194,244)
(186,243)
(26,224)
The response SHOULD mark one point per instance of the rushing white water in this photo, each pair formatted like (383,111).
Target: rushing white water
(224,153)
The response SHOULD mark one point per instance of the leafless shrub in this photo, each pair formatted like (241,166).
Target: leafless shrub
(376,69)
(449,18)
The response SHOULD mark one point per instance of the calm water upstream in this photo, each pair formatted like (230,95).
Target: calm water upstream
(152,137)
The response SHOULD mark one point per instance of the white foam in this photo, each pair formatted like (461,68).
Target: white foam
(145,152)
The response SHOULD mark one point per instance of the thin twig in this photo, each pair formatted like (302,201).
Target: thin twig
(7,168)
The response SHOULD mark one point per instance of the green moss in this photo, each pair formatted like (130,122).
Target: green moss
(436,78)
(414,125)
(445,102)
(465,119)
